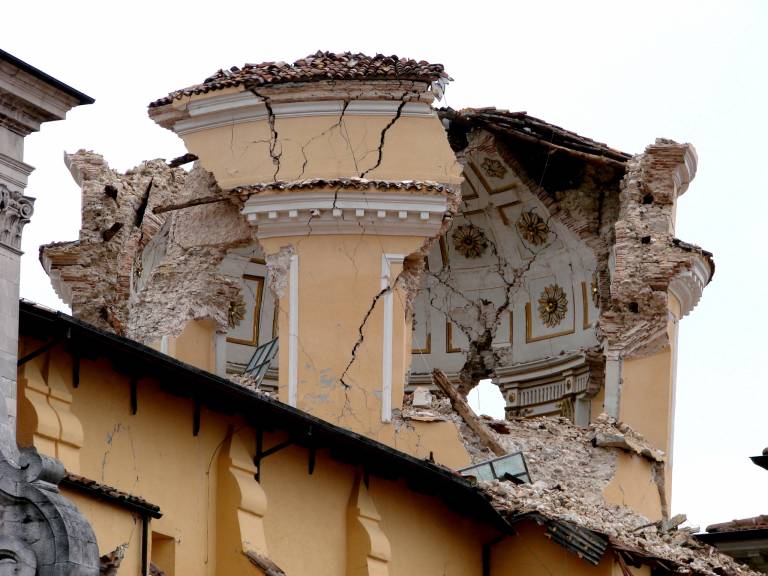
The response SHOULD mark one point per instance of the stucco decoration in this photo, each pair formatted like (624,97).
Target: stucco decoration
(553,305)
(469,241)
(368,548)
(533,228)
(494,168)
(236,311)
(241,506)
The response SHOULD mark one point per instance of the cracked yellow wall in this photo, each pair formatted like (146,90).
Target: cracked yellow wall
(239,154)
(634,485)
(648,395)
(531,553)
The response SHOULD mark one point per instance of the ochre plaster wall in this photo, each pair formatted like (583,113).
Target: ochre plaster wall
(195,345)
(113,526)
(531,553)
(209,515)
(633,485)
(416,149)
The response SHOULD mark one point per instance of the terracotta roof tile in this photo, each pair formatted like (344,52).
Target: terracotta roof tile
(109,493)
(755,523)
(314,68)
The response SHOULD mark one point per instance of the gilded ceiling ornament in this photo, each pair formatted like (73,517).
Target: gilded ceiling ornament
(553,305)
(236,312)
(533,228)
(469,241)
(494,168)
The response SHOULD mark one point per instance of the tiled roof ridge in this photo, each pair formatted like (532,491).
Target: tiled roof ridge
(314,68)
(754,523)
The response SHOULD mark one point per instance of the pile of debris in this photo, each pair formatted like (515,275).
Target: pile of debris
(632,536)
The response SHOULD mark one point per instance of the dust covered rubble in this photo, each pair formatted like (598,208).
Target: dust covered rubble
(570,466)
(140,271)
(624,528)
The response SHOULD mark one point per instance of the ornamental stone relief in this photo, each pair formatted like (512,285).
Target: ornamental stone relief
(494,168)
(553,305)
(15,211)
(469,241)
(533,228)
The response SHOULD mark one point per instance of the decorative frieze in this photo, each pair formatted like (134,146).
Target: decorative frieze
(334,212)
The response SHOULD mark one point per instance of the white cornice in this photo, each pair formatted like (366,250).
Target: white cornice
(229,109)
(686,170)
(13,172)
(374,213)
(688,286)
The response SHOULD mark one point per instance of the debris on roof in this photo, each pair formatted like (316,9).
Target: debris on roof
(314,68)
(522,126)
(676,550)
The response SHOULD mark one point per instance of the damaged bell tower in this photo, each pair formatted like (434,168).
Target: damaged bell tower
(347,178)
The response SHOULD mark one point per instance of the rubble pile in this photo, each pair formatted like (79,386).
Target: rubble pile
(625,529)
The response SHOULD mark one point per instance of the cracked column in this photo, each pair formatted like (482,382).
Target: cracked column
(342,165)
(40,531)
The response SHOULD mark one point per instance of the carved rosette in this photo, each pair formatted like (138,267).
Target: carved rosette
(15,212)
(533,228)
(553,305)
(469,241)
(494,168)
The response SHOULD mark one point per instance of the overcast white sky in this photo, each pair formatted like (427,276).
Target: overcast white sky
(620,72)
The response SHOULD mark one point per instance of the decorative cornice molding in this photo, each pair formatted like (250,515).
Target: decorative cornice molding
(686,170)
(13,172)
(327,212)
(688,286)
(15,212)
(230,109)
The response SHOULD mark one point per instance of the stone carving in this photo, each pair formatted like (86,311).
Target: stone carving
(469,241)
(494,168)
(533,228)
(553,305)
(43,533)
(15,211)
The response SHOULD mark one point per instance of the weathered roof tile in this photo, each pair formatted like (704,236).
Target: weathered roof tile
(314,68)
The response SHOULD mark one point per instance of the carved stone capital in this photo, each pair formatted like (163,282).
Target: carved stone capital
(15,211)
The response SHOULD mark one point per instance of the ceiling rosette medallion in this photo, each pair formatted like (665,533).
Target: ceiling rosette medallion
(553,305)
(494,168)
(470,241)
(533,228)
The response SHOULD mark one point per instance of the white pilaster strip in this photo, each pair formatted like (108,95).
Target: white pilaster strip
(612,400)
(293,331)
(386,367)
